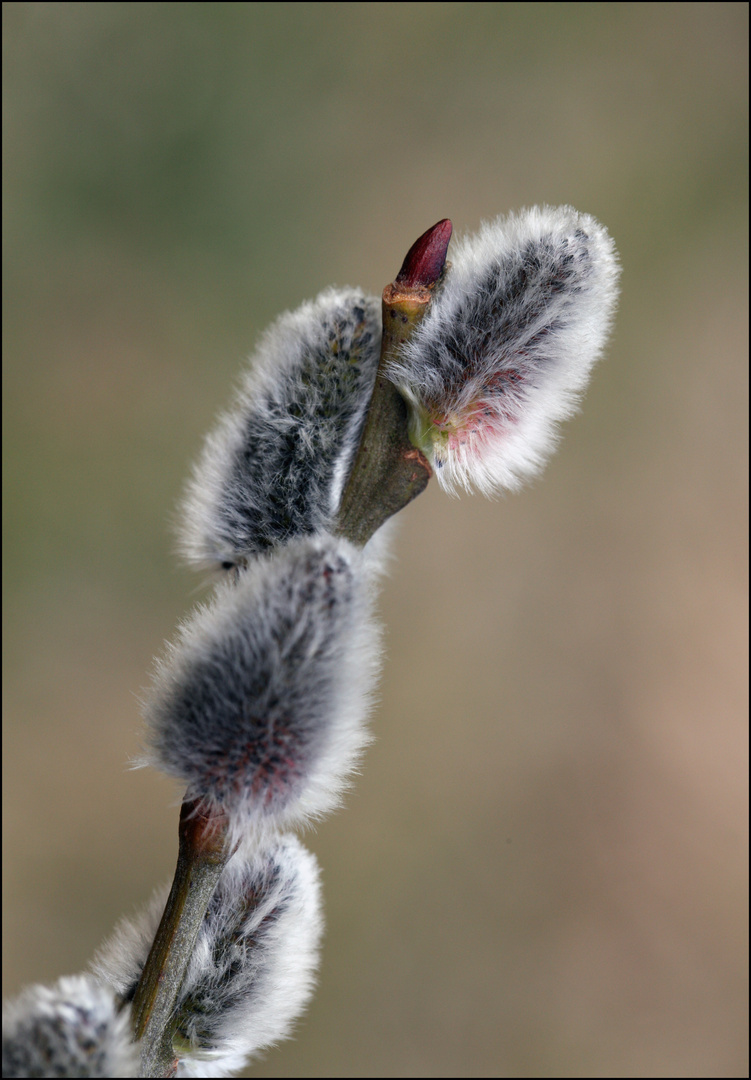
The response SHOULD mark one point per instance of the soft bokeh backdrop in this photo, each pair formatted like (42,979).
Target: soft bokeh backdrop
(542,871)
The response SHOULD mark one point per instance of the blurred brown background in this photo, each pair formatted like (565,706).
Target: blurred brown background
(542,871)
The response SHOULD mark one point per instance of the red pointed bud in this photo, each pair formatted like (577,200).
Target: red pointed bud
(426,258)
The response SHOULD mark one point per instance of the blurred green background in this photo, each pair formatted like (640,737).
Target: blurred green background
(542,870)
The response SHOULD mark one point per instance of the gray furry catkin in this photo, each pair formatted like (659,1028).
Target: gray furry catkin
(260,705)
(507,346)
(75,1028)
(253,967)
(275,465)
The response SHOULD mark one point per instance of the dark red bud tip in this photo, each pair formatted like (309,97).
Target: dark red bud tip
(426,258)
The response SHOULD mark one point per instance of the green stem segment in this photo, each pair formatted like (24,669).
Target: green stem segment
(388,471)
(202,856)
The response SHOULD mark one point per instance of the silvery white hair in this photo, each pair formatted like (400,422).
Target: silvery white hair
(507,346)
(75,1028)
(260,705)
(275,465)
(252,971)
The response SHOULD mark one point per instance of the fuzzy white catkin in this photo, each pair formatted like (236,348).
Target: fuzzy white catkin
(260,706)
(275,465)
(253,968)
(507,346)
(73,1028)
